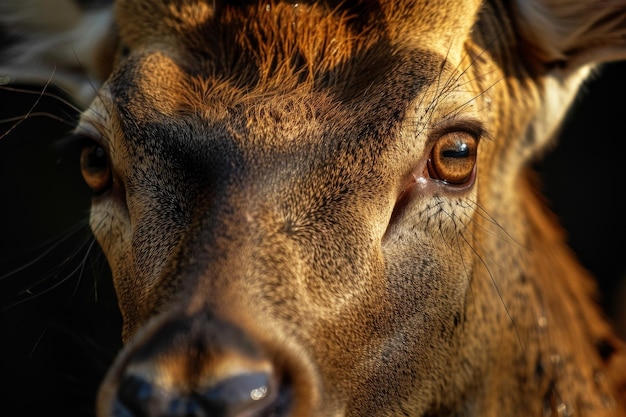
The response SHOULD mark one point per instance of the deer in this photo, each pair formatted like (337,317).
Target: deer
(328,208)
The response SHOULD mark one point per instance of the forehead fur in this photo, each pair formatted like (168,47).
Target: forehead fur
(293,37)
(308,56)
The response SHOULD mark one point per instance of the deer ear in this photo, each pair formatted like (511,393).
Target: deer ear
(56,41)
(573,33)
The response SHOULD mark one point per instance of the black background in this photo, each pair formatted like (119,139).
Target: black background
(59,327)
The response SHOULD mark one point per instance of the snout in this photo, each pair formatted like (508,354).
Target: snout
(197,366)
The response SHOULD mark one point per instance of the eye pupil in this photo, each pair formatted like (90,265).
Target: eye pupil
(462,151)
(96,158)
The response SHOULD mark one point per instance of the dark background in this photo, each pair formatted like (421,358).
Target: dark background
(59,325)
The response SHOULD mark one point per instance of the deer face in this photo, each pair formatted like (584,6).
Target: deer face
(316,209)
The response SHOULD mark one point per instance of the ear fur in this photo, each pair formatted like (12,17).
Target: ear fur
(56,40)
(573,33)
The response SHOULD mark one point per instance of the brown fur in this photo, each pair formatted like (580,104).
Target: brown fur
(272,208)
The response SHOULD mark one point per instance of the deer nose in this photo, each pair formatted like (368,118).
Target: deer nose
(249,394)
(199,366)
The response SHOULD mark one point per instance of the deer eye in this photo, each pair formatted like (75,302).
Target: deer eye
(95,167)
(453,158)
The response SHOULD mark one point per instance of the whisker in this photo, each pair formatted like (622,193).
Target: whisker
(89,243)
(43,93)
(52,245)
(462,105)
(32,108)
(80,270)
(35,114)
(463,261)
(461,235)
(497,288)
(485,215)
(451,84)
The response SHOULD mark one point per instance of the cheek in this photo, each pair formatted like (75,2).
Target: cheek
(111,228)
(428,275)
(429,261)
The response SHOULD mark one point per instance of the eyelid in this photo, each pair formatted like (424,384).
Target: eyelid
(91,131)
(76,140)
(474,127)
(85,137)
(69,142)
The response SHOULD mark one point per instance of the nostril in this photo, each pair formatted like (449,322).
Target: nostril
(249,394)
(237,394)
(132,397)
(139,398)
